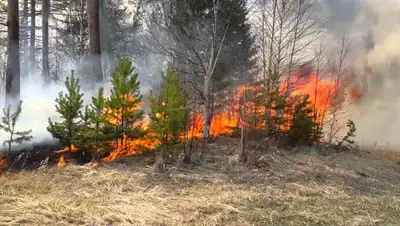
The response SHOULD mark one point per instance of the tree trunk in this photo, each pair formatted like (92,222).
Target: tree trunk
(45,38)
(32,51)
(94,31)
(25,39)
(13,65)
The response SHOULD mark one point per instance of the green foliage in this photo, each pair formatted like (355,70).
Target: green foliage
(69,108)
(303,128)
(350,133)
(94,134)
(125,100)
(168,110)
(8,122)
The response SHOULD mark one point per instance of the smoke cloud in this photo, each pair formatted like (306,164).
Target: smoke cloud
(375,24)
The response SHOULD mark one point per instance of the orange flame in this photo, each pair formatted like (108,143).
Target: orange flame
(226,120)
(3,161)
(61,162)
(66,149)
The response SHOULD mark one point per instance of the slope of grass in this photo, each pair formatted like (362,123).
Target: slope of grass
(301,188)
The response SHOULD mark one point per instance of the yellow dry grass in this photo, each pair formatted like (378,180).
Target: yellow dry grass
(294,189)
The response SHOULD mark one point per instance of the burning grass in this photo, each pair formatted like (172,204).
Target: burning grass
(294,188)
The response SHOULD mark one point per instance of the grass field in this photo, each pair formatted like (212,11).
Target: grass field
(294,188)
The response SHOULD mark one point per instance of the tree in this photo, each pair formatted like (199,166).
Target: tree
(13,65)
(8,123)
(284,29)
(169,113)
(94,33)
(302,126)
(95,134)
(198,32)
(124,103)
(32,52)
(45,38)
(69,108)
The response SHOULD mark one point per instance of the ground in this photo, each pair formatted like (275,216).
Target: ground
(304,186)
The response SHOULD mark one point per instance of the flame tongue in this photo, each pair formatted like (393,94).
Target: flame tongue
(3,161)
(61,162)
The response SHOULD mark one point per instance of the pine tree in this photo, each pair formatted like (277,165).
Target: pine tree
(69,107)
(303,127)
(95,135)
(123,107)
(169,113)
(8,122)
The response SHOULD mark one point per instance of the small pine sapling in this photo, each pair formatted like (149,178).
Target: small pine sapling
(123,110)
(69,107)
(168,112)
(351,133)
(302,128)
(8,123)
(94,135)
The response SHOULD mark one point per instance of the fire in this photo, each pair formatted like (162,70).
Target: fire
(66,149)
(61,162)
(129,146)
(225,120)
(3,161)
(355,94)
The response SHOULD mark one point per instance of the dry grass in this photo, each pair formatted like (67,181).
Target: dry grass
(294,189)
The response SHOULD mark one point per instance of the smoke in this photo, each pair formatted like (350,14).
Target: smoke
(39,98)
(375,24)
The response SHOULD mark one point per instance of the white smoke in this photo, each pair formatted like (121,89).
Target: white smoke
(376,23)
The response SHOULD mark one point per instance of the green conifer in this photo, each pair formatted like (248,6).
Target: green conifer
(168,111)
(125,100)
(94,134)
(69,107)
(8,122)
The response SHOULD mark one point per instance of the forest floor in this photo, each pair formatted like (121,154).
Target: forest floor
(305,186)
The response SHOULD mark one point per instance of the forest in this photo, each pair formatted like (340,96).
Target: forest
(115,112)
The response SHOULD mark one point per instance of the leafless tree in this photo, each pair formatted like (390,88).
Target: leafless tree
(32,46)
(195,50)
(284,29)
(340,73)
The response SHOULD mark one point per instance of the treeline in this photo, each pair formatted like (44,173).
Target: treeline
(235,59)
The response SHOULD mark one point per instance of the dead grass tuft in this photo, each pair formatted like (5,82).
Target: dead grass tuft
(292,189)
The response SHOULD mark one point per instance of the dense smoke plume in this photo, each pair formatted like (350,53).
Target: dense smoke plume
(374,26)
